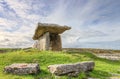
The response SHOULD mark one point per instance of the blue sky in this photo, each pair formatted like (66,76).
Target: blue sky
(95,23)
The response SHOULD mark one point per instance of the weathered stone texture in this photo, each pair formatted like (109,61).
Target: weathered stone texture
(43,42)
(71,69)
(47,36)
(22,68)
(52,28)
(49,41)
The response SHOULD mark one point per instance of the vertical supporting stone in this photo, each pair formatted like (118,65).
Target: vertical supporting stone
(55,42)
(35,45)
(43,42)
(49,41)
(59,43)
(47,36)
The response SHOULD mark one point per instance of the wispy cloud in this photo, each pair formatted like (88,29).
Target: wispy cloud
(7,39)
(95,23)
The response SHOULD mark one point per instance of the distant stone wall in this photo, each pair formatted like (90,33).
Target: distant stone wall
(93,50)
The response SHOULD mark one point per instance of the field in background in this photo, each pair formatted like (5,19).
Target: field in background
(104,67)
(102,53)
(96,51)
(2,50)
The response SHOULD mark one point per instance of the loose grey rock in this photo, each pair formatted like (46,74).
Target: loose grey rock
(22,68)
(71,69)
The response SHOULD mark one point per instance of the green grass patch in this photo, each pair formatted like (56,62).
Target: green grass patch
(103,67)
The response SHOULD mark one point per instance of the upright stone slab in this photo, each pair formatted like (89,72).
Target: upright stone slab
(48,36)
(43,42)
(55,42)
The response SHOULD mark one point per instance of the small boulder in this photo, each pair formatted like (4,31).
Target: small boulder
(71,69)
(22,68)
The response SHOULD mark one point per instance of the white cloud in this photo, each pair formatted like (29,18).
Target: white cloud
(1,8)
(8,39)
(19,7)
(91,21)
(7,24)
(81,18)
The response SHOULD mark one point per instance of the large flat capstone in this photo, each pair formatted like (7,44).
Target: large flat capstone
(51,28)
(71,69)
(22,68)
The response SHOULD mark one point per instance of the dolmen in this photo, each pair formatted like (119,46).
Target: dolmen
(48,36)
(22,68)
(71,69)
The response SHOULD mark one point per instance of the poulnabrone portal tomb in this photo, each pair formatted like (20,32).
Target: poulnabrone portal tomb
(48,36)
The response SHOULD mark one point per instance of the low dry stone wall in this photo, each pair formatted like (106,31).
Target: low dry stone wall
(71,69)
(22,68)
